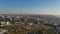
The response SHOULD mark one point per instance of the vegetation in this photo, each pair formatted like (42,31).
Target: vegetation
(29,29)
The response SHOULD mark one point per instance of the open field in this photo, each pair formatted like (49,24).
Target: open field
(29,29)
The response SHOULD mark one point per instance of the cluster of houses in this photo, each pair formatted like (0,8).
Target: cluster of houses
(8,20)
(31,20)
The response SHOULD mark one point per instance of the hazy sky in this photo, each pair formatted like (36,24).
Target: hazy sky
(30,7)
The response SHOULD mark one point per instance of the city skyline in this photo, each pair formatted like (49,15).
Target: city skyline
(48,7)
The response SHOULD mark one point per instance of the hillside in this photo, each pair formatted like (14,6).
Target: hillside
(29,29)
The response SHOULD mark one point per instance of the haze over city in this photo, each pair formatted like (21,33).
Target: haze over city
(49,7)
